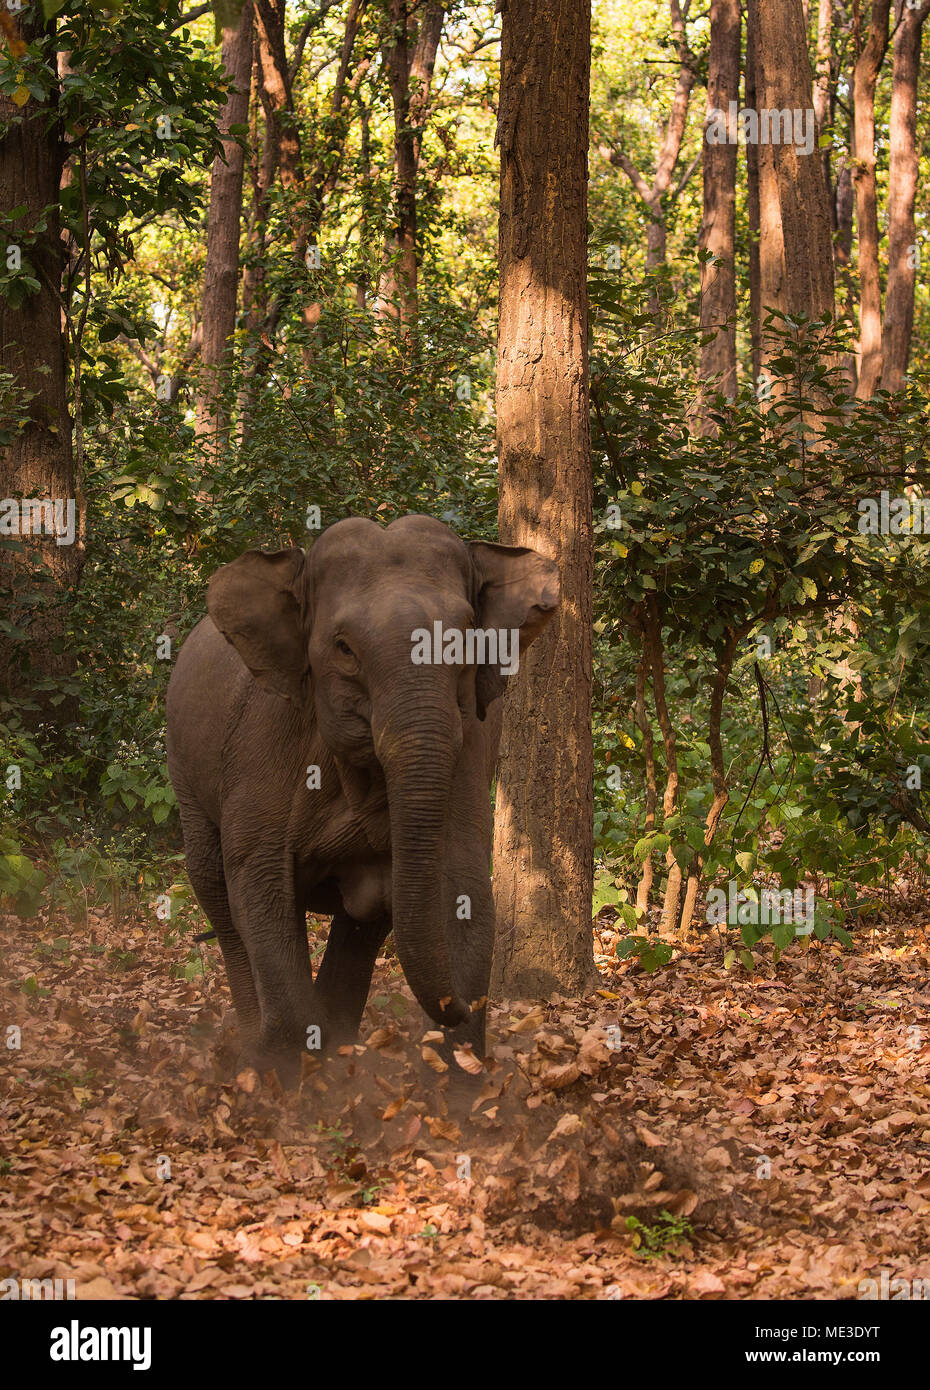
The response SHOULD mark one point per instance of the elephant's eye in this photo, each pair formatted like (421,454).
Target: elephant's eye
(344,647)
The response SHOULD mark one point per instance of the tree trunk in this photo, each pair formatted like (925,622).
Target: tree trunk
(868,65)
(844,202)
(649,759)
(902,190)
(752,206)
(795,243)
(36,462)
(411,77)
(718,230)
(271,84)
(654,194)
(281,152)
(544,834)
(652,636)
(397,298)
(270,23)
(824,85)
(221,271)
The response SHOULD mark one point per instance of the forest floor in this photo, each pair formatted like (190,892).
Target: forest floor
(781,1121)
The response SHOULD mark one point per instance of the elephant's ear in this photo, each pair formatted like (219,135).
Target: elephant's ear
(515,588)
(254,603)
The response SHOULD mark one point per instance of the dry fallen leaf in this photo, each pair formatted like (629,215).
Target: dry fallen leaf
(432,1059)
(467,1060)
(568,1125)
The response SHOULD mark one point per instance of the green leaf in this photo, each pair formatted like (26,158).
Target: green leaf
(783,934)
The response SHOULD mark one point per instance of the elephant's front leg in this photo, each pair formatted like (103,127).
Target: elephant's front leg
(344,976)
(275,935)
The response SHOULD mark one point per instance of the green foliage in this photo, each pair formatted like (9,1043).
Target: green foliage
(661,1238)
(21,882)
(650,952)
(742,550)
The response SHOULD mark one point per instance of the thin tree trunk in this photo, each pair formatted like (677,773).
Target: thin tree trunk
(718,230)
(752,206)
(411,77)
(271,92)
(270,22)
(655,193)
(399,275)
(824,80)
(282,154)
(718,777)
(221,270)
(37,462)
(651,795)
(868,65)
(273,81)
(902,192)
(363,280)
(844,202)
(544,831)
(652,630)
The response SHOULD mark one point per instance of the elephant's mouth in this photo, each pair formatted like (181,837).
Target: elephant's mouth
(366,792)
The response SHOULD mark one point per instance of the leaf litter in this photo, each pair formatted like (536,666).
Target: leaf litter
(778,1124)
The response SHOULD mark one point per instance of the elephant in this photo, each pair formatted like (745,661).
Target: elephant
(325,761)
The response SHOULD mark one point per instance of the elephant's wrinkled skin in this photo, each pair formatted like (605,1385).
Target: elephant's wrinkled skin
(304,663)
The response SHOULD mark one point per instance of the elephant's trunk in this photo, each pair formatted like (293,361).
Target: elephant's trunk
(418,753)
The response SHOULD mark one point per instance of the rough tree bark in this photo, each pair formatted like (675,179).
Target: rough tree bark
(544,835)
(718,229)
(795,241)
(868,66)
(37,461)
(221,270)
(752,204)
(902,192)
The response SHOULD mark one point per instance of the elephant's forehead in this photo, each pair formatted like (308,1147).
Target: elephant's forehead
(415,544)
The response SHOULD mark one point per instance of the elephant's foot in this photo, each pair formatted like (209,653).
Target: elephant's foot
(286,1065)
(464,1089)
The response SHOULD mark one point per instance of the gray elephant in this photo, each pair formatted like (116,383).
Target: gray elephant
(333,728)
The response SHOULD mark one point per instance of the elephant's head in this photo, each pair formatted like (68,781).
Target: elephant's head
(350,628)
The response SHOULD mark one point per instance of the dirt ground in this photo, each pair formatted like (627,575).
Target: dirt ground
(781,1122)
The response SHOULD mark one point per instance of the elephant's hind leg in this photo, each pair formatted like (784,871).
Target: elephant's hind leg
(205,869)
(344,977)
